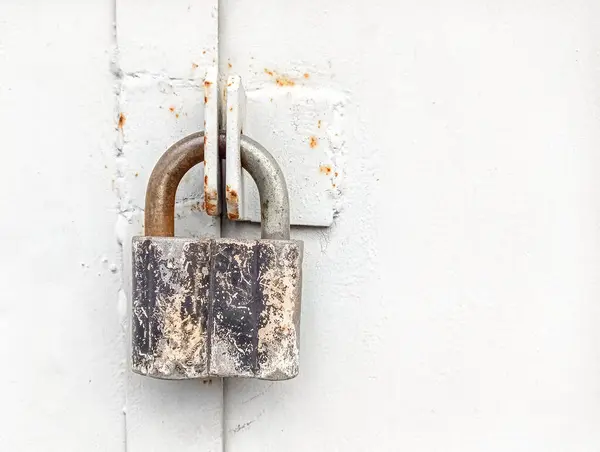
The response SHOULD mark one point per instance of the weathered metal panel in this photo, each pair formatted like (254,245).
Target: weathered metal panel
(301,124)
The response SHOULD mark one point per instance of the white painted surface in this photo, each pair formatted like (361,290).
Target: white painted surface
(452,306)
(164,50)
(62,344)
(235,114)
(212,173)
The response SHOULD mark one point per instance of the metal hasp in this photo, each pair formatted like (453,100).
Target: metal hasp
(216,307)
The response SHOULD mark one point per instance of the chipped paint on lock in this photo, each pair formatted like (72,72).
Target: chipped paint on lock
(170,297)
(279,335)
(216,308)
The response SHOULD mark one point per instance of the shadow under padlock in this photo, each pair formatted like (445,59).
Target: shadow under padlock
(216,307)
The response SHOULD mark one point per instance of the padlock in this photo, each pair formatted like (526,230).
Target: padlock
(216,307)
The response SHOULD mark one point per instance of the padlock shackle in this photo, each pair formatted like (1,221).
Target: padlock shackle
(159,215)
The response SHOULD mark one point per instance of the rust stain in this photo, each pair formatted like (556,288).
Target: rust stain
(205,141)
(229,65)
(313,142)
(336,174)
(281,80)
(204,52)
(333,185)
(210,202)
(319,124)
(205,99)
(306,75)
(284,81)
(207,83)
(325,169)
(122,120)
(194,66)
(172,109)
(231,196)
(177,115)
(205,180)
(230,108)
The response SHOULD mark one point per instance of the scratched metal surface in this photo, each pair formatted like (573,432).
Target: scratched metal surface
(216,308)
(170,306)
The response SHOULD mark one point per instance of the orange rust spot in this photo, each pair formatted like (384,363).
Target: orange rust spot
(230,108)
(271,73)
(333,185)
(207,83)
(204,52)
(205,99)
(171,109)
(232,199)
(231,194)
(284,81)
(210,202)
(230,66)
(177,115)
(205,180)
(194,66)
(122,120)
(205,141)
(325,169)
(306,75)
(313,142)
(336,174)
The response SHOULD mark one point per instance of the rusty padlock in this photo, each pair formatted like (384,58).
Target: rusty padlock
(216,307)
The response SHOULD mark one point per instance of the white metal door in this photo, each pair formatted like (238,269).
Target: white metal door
(451,306)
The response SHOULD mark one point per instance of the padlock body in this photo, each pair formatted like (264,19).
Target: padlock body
(216,308)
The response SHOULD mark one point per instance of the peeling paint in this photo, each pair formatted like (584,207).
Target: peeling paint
(216,307)
(232,199)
